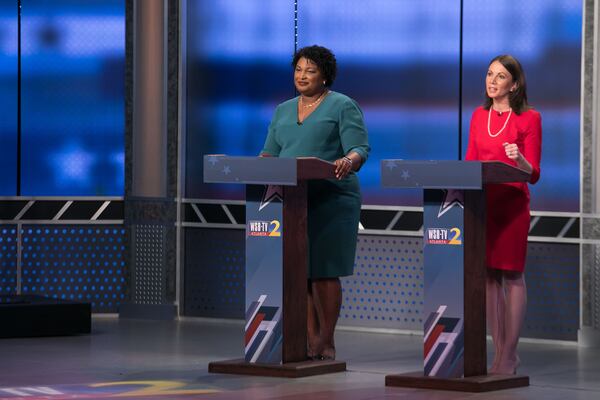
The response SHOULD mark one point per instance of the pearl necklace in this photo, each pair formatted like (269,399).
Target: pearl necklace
(505,123)
(317,101)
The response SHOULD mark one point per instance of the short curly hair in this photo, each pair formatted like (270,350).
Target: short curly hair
(322,57)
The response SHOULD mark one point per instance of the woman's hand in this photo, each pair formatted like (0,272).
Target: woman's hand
(512,152)
(343,166)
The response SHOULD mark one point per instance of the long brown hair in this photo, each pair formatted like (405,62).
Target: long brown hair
(518,97)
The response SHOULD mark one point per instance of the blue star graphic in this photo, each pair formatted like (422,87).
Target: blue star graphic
(213,160)
(405,175)
(72,165)
(226,170)
(390,164)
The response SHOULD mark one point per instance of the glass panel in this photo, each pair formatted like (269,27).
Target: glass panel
(73,57)
(399,61)
(238,70)
(545,35)
(8,98)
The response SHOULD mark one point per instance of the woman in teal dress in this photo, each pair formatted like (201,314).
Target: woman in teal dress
(328,125)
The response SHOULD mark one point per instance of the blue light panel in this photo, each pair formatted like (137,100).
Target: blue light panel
(73,97)
(400,61)
(8,98)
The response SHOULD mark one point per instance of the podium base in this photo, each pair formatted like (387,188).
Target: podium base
(482,383)
(287,370)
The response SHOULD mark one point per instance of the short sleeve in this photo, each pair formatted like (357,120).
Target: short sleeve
(353,133)
(272,147)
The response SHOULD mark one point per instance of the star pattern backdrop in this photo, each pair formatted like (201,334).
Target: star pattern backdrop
(73,57)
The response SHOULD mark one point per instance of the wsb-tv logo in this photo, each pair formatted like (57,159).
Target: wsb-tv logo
(264,228)
(443,236)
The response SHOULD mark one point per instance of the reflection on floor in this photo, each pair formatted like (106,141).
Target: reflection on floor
(168,360)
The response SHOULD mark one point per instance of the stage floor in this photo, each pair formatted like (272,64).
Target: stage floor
(168,360)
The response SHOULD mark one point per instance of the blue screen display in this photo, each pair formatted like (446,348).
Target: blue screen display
(238,70)
(73,57)
(546,37)
(8,98)
(401,62)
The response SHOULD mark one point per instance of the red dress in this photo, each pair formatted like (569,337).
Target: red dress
(507,203)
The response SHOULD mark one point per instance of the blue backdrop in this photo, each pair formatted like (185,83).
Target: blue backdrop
(72,56)
(400,60)
(8,98)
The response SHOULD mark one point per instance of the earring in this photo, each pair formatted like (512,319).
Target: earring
(324,82)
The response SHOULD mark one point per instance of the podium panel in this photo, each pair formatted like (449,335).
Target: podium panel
(275,337)
(443,254)
(263,336)
(454,263)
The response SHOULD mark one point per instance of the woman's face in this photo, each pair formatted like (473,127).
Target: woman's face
(498,82)
(308,78)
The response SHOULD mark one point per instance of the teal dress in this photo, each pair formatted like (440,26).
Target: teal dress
(333,130)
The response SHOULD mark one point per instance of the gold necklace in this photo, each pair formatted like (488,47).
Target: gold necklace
(317,101)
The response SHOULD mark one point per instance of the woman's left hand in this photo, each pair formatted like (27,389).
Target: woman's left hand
(512,151)
(343,166)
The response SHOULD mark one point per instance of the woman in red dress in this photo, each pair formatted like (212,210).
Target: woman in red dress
(507,129)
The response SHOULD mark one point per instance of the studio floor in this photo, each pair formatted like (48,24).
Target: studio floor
(168,360)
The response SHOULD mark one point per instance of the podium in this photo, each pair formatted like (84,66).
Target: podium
(455,271)
(275,335)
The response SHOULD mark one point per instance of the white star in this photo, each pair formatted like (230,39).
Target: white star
(213,160)
(391,164)
(226,170)
(452,197)
(405,175)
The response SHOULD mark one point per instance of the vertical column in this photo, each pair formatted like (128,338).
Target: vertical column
(589,333)
(151,85)
(295,265)
(149,140)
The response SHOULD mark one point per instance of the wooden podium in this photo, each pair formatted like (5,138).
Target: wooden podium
(276,263)
(455,271)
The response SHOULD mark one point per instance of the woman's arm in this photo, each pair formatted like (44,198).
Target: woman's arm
(271,147)
(528,158)
(354,140)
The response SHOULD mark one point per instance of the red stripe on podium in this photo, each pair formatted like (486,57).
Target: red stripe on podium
(253,326)
(433,336)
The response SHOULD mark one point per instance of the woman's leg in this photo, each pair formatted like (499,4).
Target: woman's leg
(314,343)
(327,297)
(495,311)
(516,305)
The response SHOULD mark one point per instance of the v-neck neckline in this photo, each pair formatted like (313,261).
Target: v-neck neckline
(300,123)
